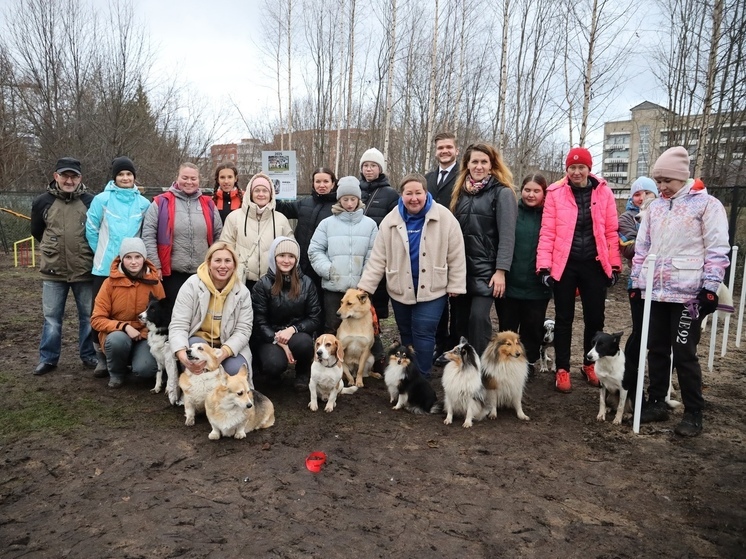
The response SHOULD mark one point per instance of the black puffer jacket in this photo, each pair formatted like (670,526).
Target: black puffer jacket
(309,212)
(583,246)
(275,313)
(379,197)
(487,221)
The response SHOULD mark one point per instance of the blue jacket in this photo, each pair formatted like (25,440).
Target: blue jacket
(340,247)
(115,214)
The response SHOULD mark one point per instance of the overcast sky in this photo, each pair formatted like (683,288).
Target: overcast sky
(211,46)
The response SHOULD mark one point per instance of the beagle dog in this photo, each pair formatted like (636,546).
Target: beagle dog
(326,373)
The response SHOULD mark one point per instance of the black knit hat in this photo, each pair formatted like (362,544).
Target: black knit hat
(120,164)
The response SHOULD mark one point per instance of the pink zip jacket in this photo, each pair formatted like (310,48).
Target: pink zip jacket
(558,227)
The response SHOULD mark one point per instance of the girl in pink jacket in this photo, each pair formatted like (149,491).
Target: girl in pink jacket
(578,251)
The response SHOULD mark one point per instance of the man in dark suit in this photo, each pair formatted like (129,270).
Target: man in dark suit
(440,180)
(440,183)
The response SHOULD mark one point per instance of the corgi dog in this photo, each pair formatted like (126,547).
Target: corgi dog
(197,387)
(407,387)
(157,317)
(608,356)
(504,373)
(546,342)
(326,373)
(356,335)
(233,409)
(462,384)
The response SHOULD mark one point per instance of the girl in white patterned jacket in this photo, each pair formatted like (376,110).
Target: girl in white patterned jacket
(687,230)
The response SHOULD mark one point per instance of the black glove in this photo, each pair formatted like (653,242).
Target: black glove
(546,278)
(708,302)
(611,282)
(635,294)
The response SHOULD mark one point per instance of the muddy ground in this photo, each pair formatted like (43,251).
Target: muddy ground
(90,472)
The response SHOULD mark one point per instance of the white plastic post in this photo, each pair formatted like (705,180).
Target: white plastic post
(731,284)
(650,263)
(740,308)
(713,341)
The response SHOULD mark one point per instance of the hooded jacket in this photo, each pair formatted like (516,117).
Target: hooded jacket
(252,233)
(340,247)
(273,313)
(58,222)
(522,282)
(115,214)
(688,233)
(121,300)
(190,242)
(194,302)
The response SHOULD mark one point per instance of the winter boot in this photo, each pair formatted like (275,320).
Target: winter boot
(101,370)
(654,411)
(690,425)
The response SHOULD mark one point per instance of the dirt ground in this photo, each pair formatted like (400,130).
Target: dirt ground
(90,472)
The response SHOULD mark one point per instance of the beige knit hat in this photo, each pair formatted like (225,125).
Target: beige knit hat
(288,246)
(672,164)
(374,156)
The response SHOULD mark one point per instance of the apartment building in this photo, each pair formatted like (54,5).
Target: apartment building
(632,146)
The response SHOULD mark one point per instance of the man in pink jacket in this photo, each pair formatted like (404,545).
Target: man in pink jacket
(578,251)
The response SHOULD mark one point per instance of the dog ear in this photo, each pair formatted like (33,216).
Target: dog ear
(362,296)
(618,336)
(340,352)
(244,371)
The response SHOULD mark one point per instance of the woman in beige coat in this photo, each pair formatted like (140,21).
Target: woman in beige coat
(420,249)
(252,229)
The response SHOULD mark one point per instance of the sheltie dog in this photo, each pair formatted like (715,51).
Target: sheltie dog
(462,384)
(157,317)
(406,384)
(326,373)
(233,409)
(504,373)
(356,334)
(608,356)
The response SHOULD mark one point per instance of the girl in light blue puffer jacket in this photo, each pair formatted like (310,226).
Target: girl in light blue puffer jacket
(340,247)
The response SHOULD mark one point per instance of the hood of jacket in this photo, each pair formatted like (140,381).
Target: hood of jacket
(179,193)
(126,195)
(54,189)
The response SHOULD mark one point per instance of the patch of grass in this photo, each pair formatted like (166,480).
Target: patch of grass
(24,409)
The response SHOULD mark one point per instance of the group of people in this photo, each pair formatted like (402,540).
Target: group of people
(443,249)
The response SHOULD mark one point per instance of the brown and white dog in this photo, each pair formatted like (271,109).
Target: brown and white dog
(197,387)
(326,373)
(356,335)
(233,409)
(504,373)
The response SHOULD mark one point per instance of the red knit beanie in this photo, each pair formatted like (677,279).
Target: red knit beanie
(579,156)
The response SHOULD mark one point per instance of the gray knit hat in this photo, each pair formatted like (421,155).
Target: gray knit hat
(134,244)
(348,186)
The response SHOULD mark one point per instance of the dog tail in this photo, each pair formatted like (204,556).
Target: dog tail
(349,390)
(437,407)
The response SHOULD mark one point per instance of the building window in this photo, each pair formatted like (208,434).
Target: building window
(643,152)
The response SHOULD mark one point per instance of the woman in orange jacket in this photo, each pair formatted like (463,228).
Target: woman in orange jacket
(123,296)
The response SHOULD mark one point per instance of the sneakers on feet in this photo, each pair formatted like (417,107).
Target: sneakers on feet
(562,381)
(115,383)
(301,383)
(654,411)
(589,372)
(690,425)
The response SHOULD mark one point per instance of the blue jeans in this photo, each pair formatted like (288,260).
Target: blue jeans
(53,299)
(417,326)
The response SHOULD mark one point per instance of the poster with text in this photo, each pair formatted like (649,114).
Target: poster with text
(280,166)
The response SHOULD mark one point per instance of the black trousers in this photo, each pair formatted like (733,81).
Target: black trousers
(672,328)
(632,347)
(172,284)
(590,280)
(332,302)
(470,317)
(525,317)
(273,361)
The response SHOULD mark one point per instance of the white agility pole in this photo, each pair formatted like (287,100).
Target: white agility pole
(731,285)
(650,263)
(713,341)
(740,308)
